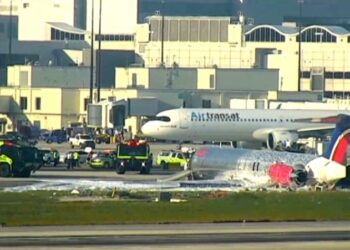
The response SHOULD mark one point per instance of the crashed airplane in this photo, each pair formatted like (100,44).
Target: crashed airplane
(264,168)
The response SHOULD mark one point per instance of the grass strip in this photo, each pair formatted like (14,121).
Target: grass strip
(42,208)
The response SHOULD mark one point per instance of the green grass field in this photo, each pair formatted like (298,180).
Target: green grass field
(44,208)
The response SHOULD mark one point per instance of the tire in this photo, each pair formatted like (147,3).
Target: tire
(98,141)
(106,165)
(142,171)
(23,173)
(164,165)
(145,170)
(71,145)
(5,170)
(120,170)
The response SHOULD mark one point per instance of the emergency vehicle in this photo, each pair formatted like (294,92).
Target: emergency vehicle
(18,160)
(133,155)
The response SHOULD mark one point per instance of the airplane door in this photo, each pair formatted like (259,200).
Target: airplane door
(183,120)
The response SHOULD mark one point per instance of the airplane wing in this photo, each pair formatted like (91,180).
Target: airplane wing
(316,131)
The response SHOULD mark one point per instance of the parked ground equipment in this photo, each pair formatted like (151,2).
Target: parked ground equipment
(50,157)
(81,141)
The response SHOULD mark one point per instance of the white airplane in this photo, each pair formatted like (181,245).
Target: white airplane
(261,168)
(266,126)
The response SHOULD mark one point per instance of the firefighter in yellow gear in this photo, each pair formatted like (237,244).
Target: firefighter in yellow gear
(75,159)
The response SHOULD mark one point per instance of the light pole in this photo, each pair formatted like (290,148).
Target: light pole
(99,55)
(300,3)
(9,62)
(162,35)
(92,53)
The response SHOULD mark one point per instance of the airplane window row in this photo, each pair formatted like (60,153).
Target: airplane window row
(239,120)
(266,120)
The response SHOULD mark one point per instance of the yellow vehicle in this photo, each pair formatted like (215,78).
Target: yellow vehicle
(168,158)
(18,160)
(102,160)
(133,155)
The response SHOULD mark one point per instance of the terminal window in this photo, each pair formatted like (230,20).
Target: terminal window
(86,102)
(23,103)
(38,103)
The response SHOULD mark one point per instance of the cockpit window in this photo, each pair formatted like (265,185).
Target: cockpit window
(164,118)
(159,118)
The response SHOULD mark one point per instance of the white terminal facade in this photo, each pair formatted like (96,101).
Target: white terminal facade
(206,61)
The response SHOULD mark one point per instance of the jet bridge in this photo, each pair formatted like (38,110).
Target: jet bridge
(112,114)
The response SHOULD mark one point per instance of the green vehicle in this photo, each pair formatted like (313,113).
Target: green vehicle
(133,155)
(103,138)
(18,160)
(102,160)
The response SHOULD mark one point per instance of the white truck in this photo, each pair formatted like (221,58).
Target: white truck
(81,141)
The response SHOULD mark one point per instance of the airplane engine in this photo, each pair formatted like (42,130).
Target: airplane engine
(286,175)
(276,138)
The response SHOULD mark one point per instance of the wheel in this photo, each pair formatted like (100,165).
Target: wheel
(71,145)
(106,165)
(164,165)
(23,173)
(145,170)
(142,171)
(5,170)
(98,141)
(120,170)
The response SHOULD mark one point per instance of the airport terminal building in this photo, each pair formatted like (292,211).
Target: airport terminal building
(191,61)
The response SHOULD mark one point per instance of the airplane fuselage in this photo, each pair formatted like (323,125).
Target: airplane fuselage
(229,124)
(214,161)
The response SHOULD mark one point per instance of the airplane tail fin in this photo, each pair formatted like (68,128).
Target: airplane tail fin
(338,146)
(331,167)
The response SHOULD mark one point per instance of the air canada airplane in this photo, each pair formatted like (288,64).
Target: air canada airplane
(267,126)
(261,168)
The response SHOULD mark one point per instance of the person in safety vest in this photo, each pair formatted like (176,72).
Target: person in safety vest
(75,159)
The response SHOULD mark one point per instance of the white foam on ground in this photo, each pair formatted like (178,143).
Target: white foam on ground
(79,184)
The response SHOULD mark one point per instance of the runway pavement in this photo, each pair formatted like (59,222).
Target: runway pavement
(286,235)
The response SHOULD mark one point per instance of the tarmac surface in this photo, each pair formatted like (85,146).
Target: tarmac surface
(286,235)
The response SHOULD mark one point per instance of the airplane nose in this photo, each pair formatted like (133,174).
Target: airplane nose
(147,129)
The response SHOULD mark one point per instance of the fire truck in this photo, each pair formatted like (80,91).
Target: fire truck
(17,159)
(133,155)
